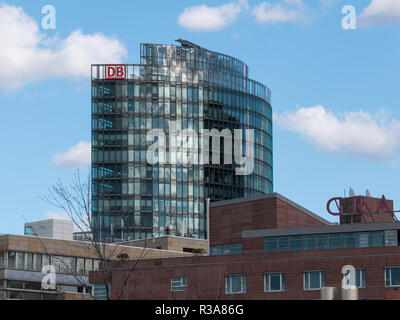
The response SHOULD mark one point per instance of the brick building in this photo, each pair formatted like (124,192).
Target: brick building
(268,247)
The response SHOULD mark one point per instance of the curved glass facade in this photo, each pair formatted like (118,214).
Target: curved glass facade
(191,88)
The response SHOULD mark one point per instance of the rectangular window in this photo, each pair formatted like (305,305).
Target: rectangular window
(283,244)
(235,284)
(392,277)
(360,278)
(314,280)
(29,261)
(80,266)
(20,260)
(100,291)
(274,282)
(2,260)
(12,259)
(296,243)
(376,239)
(178,284)
(38,262)
(391,238)
(335,241)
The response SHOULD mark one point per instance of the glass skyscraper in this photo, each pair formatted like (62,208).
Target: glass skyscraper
(193,88)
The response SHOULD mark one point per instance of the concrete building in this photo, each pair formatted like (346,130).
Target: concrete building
(268,247)
(22,259)
(51,228)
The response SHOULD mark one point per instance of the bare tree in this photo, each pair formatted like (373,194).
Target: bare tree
(76,201)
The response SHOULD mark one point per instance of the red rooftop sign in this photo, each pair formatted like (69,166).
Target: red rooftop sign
(115,71)
(358,206)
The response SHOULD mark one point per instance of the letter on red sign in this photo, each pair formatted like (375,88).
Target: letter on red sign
(340,206)
(120,72)
(383,204)
(110,72)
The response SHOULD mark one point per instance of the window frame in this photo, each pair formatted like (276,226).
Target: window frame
(267,275)
(180,284)
(321,285)
(390,280)
(243,283)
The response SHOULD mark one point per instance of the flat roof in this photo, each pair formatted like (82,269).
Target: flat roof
(354,227)
(269,196)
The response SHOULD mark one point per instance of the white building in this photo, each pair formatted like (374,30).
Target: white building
(52,228)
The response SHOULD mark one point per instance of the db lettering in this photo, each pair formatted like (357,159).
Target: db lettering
(115,71)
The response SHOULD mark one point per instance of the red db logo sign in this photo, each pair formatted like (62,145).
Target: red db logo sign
(115,71)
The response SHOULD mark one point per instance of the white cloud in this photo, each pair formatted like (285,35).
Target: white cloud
(283,11)
(205,18)
(27,55)
(355,133)
(380,12)
(76,157)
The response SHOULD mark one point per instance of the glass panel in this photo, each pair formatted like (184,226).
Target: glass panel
(310,242)
(395,277)
(335,241)
(283,244)
(2,260)
(33,286)
(391,238)
(15,284)
(362,240)
(315,280)
(32,296)
(80,265)
(296,243)
(12,259)
(376,239)
(14,295)
(322,242)
(275,282)
(100,292)
(349,240)
(29,261)
(38,262)
(270,245)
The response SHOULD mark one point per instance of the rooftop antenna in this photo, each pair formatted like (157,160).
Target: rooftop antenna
(367,194)
(351,192)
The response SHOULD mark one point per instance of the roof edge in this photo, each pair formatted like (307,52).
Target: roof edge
(269,196)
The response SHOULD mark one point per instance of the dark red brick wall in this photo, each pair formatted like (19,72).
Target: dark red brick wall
(206,275)
(371,206)
(227,222)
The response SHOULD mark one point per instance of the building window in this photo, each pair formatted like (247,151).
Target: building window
(361,278)
(274,282)
(227,249)
(28,231)
(391,238)
(2,260)
(392,277)
(331,241)
(11,259)
(314,280)
(178,284)
(235,284)
(100,291)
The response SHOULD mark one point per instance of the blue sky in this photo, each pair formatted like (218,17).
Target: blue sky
(334,91)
